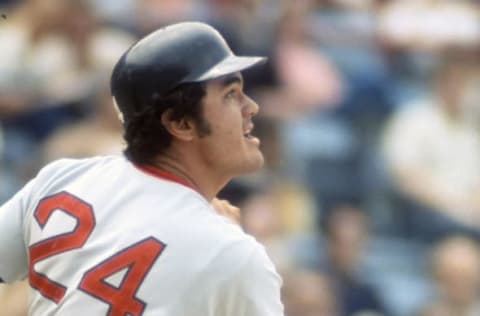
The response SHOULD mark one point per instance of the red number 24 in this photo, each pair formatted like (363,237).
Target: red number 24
(137,259)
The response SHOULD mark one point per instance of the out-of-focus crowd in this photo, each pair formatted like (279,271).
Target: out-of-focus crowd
(369,203)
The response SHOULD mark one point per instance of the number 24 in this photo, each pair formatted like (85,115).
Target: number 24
(137,258)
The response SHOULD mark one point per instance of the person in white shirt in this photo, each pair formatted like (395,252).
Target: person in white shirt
(139,234)
(432,150)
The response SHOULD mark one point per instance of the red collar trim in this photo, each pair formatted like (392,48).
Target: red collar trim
(163,174)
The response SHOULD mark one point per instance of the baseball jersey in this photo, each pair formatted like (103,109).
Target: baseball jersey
(102,236)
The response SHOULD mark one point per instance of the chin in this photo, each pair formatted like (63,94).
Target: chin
(255,163)
(246,164)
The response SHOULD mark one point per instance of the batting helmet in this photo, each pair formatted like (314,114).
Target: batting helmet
(180,53)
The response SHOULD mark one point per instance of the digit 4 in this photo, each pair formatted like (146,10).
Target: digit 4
(138,259)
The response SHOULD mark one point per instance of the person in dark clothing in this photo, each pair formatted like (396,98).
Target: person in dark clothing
(346,232)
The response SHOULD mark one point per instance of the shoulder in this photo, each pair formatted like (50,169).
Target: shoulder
(61,167)
(248,282)
(57,174)
(241,255)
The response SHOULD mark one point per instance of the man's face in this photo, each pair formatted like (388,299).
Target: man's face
(229,149)
(456,271)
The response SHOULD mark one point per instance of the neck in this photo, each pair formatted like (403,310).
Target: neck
(203,180)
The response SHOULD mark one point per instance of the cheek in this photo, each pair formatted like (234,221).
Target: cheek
(228,131)
(221,145)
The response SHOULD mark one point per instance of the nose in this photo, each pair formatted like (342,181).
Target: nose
(250,108)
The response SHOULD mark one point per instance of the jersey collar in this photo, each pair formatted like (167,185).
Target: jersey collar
(165,175)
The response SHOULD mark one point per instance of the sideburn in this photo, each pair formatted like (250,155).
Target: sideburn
(204,128)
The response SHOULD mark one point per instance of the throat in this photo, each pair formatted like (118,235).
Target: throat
(177,171)
(197,179)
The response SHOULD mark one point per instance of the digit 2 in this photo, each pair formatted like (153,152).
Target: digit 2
(137,258)
(55,245)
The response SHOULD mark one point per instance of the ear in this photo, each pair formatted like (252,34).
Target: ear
(182,129)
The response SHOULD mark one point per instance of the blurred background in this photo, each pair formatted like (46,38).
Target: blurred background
(369,203)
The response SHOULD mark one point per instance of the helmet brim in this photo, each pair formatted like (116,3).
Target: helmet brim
(229,65)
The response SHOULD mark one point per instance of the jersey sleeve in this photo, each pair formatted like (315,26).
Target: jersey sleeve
(15,214)
(254,289)
(13,253)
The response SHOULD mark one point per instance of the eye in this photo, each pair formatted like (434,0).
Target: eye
(231,94)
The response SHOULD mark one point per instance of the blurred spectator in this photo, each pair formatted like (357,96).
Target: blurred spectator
(152,14)
(456,275)
(310,84)
(309,78)
(427,24)
(292,200)
(6,185)
(346,234)
(102,130)
(241,21)
(332,96)
(249,27)
(52,55)
(308,293)
(413,34)
(115,12)
(260,219)
(346,33)
(432,148)
(13,299)
(1,145)
(29,42)
(277,216)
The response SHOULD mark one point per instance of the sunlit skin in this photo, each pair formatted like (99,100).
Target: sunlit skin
(228,150)
(455,268)
(229,111)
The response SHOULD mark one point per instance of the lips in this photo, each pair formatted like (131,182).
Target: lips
(248,130)
(247,133)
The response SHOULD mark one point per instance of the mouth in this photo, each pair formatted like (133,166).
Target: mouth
(247,133)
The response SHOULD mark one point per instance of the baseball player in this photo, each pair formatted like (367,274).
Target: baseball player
(137,234)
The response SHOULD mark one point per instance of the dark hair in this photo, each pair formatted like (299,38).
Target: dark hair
(144,132)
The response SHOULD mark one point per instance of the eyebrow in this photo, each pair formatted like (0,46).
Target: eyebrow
(231,80)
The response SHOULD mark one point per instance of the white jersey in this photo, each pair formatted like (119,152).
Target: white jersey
(102,236)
